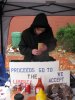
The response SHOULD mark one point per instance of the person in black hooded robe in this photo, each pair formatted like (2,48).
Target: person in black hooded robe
(38,32)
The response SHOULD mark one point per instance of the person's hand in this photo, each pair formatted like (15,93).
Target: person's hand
(36,52)
(43,47)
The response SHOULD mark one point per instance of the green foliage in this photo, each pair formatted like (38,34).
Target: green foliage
(66,37)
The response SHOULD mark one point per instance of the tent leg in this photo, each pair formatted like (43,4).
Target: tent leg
(1,36)
(1,26)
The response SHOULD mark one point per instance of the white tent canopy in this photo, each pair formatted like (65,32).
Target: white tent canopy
(16,8)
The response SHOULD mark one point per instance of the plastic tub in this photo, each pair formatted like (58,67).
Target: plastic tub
(16,37)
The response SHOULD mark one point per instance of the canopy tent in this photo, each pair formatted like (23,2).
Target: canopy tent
(11,9)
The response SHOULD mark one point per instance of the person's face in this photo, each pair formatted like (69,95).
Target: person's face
(39,30)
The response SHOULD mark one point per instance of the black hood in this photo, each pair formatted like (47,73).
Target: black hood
(40,21)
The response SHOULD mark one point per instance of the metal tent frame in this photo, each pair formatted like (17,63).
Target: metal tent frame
(17,7)
(68,9)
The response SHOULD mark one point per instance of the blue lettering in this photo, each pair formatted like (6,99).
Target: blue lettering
(22,70)
(41,69)
(49,69)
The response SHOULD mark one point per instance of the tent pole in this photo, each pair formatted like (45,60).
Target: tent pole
(1,26)
(1,35)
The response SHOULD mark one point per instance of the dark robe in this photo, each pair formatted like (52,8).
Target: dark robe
(30,40)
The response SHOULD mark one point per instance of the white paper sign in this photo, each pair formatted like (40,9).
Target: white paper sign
(24,72)
(58,77)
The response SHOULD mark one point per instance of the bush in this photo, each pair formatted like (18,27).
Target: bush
(66,37)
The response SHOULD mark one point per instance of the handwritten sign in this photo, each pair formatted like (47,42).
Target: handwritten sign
(59,77)
(24,72)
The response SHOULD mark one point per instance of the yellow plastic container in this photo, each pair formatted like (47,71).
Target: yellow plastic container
(41,95)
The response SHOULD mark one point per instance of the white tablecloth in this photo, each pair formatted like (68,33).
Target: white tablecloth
(4,93)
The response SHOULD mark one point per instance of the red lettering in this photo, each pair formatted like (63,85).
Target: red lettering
(21,81)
